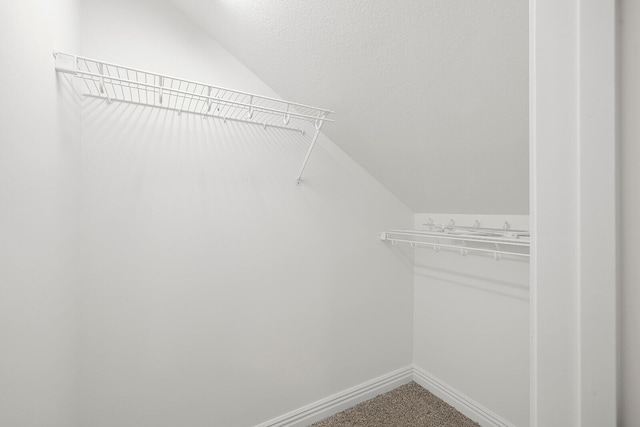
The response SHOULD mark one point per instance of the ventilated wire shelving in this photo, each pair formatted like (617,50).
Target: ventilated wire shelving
(493,241)
(118,83)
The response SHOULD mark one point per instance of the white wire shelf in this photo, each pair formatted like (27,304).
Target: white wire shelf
(112,82)
(493,241)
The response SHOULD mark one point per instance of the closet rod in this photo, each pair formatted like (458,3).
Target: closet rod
(468,238)
(436,246)
(176,110)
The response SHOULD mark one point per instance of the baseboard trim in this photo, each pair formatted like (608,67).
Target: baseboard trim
(458,400)
(345,399)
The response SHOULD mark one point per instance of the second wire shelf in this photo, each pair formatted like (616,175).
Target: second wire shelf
(493,241)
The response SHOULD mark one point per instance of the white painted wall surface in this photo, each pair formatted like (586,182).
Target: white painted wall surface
(39,169)
(215,291)
(429,91)
(471,320)
(629,92)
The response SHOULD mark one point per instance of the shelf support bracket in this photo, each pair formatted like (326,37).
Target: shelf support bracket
(160,84)
(319,123)
(101,79)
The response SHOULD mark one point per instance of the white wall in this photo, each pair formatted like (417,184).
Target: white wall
(39,167)
(404,75)
(215,291)
(629,92)
(471,320)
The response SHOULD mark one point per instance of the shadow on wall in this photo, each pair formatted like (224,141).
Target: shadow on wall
(236,157)
(69,106)
(403,254)
(209,273)
(507,277)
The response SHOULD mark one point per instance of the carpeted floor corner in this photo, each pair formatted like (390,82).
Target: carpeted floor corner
(407,406)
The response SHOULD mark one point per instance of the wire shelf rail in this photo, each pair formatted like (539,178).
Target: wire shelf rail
(465,239)
(112,82)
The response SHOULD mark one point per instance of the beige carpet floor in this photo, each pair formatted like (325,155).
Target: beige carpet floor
(407,406)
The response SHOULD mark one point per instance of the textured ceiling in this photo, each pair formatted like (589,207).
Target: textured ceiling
(431,96)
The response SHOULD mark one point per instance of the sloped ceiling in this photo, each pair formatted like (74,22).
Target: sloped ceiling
(431,96)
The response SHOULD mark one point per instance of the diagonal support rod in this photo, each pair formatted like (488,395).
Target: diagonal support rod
(313,143)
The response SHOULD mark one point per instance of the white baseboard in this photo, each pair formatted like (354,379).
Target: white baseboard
(346,399)
(343,400)
(462,403)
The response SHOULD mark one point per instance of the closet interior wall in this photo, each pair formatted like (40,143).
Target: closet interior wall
(471,320)
(214,290)
(39,196)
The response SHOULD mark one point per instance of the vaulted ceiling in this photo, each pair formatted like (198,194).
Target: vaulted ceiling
(431,96)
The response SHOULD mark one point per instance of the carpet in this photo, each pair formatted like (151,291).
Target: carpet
(407,406)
